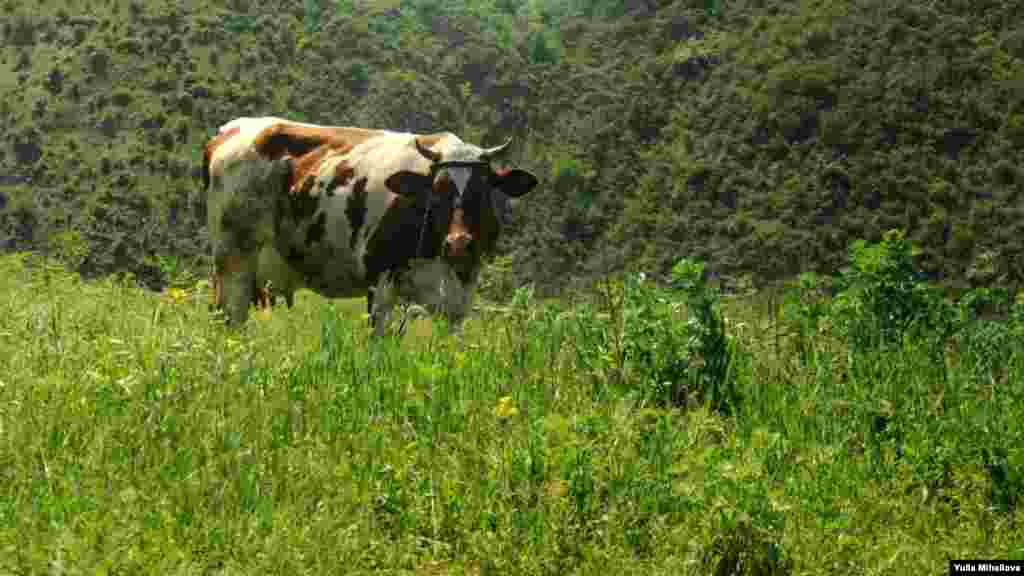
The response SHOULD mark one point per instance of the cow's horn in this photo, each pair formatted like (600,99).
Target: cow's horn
(489,153)
(427,152)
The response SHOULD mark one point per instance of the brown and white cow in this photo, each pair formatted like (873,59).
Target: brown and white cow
(348,211)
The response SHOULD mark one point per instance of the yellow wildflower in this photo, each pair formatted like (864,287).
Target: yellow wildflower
(176,295)
(506,408)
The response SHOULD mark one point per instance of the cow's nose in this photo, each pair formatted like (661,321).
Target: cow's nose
(457,243)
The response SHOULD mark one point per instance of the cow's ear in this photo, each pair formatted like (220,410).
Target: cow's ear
(514,182)
(408,184)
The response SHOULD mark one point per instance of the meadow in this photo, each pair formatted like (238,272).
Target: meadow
(872,427)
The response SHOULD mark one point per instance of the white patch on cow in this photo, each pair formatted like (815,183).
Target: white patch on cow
(460,176)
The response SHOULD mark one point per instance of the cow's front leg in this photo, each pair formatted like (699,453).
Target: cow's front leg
(369,305)
(237,285)
(383,299)
(457,301)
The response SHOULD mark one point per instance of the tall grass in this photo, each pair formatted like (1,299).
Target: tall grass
(138,435)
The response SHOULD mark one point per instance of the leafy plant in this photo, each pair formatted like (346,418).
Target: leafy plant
(239,23)
(358,74)
(803,310)
(542,47)
(882,297)
(710,347)
(312,11)
(635,338)
(176,271)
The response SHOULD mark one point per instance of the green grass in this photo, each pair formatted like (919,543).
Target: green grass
(140,436)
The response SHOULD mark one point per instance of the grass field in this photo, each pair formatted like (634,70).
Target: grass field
(140,436)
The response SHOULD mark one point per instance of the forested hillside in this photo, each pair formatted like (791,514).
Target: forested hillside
(761,136)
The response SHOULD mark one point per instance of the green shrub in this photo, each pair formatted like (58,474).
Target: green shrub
(358,73)
(635,338)
(507,6)
(542,47)
(312,10)
(803,309)
(1007,480)
(710,347)
(882,298)
(238,23)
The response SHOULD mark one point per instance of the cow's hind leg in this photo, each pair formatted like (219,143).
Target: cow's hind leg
(216,293)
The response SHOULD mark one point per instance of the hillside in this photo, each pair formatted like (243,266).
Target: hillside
(760,136)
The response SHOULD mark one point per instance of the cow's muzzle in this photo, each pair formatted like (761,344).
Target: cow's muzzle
(457,243)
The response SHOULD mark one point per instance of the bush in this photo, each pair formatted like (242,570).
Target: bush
(882,298)
(709,347)
(986,345)
(358,74)
(312,10)
(542,47)
(803,310)
(634,338)
(239,23)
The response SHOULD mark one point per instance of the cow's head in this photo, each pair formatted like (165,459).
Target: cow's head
(476,193)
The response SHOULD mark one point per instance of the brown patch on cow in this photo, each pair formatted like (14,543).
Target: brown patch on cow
(429,140)
(343,172)
(211,148)
(317,229)
(218,293)
(457,228)
(306,168)
(478,220)
(229,265)
(262,296)
(355,210)
(461,231)
(282,139)
(425,143)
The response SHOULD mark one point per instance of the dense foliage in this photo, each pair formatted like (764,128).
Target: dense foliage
(759,136)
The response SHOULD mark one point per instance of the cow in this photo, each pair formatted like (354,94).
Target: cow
(349,211)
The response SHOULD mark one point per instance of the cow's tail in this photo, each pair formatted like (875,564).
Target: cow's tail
(202,195)
(206,168)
